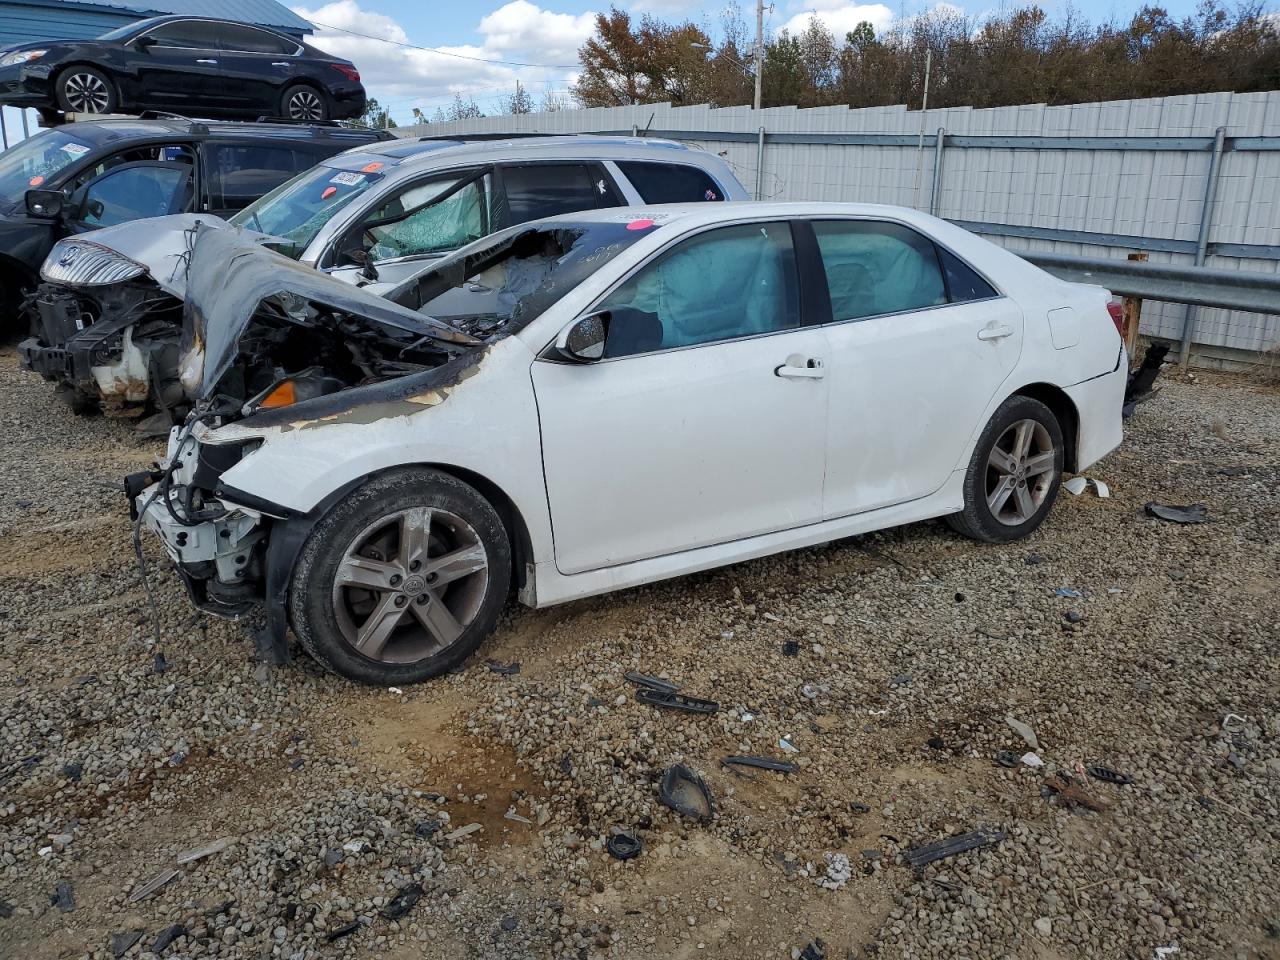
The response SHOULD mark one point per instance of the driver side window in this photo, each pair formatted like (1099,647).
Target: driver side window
(427,218)
(135,193)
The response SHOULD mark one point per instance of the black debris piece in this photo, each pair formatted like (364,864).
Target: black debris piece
(816,950)
(121,942)
(6,909)
(1234,472)
(1195,513)
(959,597)
(676,701)
(566,765)
(762,763)
(403,902)
(291,912)
(1006,758)
(984,837)
(791,648)
(653,683)
(159,665)
(1107,775)
(333,856)
(857,807)
(1141,380)
(624,845)
(686,793)
(506,669)
(936,743)
(426,828)
(297,764)
(345,930)
(64,897)
(509,923)
(1033,559)
(72,771)
(1072,616)
(167,936)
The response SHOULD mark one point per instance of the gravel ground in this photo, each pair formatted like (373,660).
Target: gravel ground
(912,648)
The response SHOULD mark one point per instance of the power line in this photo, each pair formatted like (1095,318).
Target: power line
(444,53)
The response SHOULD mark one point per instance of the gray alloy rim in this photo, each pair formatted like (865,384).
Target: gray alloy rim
(305,105)
(87,93)
(1020,471)
(410,584)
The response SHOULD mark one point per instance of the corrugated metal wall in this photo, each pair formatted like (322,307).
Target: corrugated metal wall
(26,22)
(1135,192)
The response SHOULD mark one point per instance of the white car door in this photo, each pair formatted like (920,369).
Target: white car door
(705,421)
(919,344)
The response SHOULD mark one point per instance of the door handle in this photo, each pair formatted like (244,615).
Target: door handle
(995,331)
(206,61)
(279,63)
(800,368)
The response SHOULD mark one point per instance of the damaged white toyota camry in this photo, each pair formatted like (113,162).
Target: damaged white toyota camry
(601,400)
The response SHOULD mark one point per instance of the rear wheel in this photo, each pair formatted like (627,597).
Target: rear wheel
(1014,475)
(85,90)
(304,103)
(402,580)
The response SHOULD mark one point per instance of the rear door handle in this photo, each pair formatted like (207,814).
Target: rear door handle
(995,331)
(279,63)
(206,61)
(799,368)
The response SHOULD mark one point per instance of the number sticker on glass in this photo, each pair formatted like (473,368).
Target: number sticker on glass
(347,178)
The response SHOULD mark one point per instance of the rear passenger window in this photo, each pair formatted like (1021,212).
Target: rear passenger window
(547,189)
(963,283)
(877,268)
(241,173)
(670,182)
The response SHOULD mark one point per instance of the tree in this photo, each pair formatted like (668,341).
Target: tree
(375,116)
(652,62)
(518,102)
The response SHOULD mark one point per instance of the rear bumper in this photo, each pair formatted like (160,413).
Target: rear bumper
(1099,404)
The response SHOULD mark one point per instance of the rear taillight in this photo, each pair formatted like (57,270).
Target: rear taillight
(348,71)
(1116,309)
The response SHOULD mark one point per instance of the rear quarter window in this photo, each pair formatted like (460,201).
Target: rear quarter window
(241,173)
(670,182)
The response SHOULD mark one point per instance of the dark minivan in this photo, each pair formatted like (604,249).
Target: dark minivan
(91,174)
(197,66)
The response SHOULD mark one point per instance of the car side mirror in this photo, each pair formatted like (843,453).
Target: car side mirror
(583,340)
(45,203)
(361,259)
(144,43)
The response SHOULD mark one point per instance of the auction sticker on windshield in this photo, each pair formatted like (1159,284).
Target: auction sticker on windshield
(75,149)
(347,178)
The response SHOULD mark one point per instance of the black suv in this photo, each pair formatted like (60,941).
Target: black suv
(192,65)
(91,174)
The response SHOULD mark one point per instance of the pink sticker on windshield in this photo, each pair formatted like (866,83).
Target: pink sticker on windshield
(35,181)
(639,224)
(328,192)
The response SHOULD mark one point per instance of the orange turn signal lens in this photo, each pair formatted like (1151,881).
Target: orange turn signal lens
(282,396)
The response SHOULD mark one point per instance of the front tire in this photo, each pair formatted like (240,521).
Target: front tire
(301,102)
(402,580)
(1014,475)
(85,90)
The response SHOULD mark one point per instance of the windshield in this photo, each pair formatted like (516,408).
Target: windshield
(31,164)
(298,208)
(510,279)
(121,33)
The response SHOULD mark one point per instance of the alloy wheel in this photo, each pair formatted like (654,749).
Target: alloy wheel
(305,105)
(410,584)
(1020,472)
(87,93)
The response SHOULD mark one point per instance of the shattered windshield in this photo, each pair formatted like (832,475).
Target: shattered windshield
(31,164)
(511,279)
(298,208)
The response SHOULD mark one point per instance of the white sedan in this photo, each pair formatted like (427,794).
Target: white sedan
(606,399)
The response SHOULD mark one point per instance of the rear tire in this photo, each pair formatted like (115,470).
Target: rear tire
(1014,475)
(301,102)
(402,580)
(85,90)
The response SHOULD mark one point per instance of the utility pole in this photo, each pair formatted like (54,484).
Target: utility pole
(759,50)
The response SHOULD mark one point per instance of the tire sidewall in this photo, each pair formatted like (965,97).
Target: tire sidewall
(113,97)
(311,588)
(288,95)
(977,513)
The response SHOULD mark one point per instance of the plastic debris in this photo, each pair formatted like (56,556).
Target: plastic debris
(1024,731)
(1107,775)
(337,933)
(64,897)
(121,942)
(839,871)
(653,683)
(208,850)
(1006,758)
(675,701)
(166,937)
(983,837)
(355,846)
(816,949)
(1031,760)
(791,648)
(333,857)
(761,763)
(1195,513)
(786,746)
(1077,485)
(463,831)
(1233,722)
(1068,592)
(512,815)
(1169,951)
(396,690)
(506,669)
(403,902)
(686,793)
(159,665)
(624,845)
(152,886)
(426,828)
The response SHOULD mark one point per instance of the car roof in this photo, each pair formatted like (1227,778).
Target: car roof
(689,215)
(111,132)
(416,153)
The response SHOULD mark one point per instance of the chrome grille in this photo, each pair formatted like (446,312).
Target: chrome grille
(79,262)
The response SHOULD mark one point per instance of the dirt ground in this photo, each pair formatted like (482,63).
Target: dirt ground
(912,649)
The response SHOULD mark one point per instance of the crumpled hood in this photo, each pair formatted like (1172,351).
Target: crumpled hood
(230,273)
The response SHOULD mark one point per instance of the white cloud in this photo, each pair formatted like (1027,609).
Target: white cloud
(840,17)
(521,27)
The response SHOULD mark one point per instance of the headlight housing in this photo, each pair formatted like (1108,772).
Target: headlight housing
(22,56)
(83,263)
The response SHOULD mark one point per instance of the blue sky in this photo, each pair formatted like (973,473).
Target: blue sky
(487,46)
